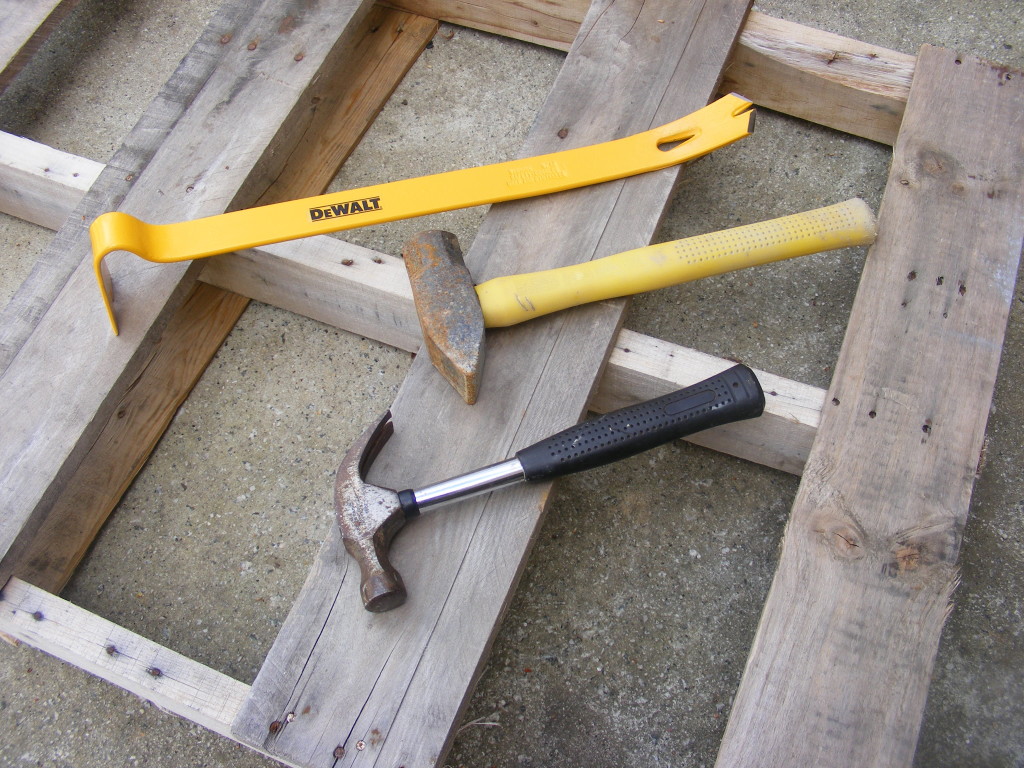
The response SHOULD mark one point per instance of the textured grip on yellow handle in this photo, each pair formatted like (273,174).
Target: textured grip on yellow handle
(722,122)
(517,298)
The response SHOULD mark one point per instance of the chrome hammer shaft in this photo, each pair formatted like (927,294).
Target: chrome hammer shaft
(370,516)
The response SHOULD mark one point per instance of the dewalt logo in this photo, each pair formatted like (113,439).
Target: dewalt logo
(350,208)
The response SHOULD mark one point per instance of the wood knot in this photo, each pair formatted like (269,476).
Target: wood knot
(842,537)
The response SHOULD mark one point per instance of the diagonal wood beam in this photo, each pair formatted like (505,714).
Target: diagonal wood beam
(397,683)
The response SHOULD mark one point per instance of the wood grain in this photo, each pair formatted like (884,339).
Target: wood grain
(69,375)
(41,184)
(390,41)
(24,26)
(855,87)
(398,681)
(842,659)
(822,77)
(168,679)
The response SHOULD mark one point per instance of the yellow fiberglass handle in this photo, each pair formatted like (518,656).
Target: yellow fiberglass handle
(722,122)
(517,298)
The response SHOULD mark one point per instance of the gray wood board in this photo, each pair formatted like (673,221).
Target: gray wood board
(842,659)
(388,689)
(64,254)
(65,379)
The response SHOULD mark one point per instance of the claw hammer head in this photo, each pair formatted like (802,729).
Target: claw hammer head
(369,517)
(448,308)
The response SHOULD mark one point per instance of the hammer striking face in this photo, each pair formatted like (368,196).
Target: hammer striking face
(448,308)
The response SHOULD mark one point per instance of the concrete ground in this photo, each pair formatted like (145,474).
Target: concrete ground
(628,634)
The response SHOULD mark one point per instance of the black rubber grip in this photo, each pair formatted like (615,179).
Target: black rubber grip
(732,395)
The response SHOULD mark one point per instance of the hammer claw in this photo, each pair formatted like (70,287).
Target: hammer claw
(369,517)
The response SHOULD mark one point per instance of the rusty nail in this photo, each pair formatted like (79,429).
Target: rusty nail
(300,56)
(252,46)
(275,726)
(38,616)
(563,133)
(111,650)
(347,262)
(339,752)
(225,38)
(155,672)
(360,745)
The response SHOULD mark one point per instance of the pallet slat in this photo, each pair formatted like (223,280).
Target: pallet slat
(843,655)
(818,76)
(389,43)
(168,679)
(24,26)
(397,682)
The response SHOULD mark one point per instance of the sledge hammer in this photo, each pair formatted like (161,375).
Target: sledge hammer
(370,516)
(453,312)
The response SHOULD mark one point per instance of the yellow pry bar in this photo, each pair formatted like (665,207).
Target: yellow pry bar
(722,122)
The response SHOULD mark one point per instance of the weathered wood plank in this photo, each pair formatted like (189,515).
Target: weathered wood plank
(102,648)
(41,184)
(24,25)
(348,99)
(818,76)
(398,681)
(388,44)
(53,269)
(843,655)
(822,77)
(551,24)
(67,377)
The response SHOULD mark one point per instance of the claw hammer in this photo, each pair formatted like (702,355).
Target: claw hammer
(370,516)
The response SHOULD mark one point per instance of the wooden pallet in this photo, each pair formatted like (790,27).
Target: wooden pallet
(885,537)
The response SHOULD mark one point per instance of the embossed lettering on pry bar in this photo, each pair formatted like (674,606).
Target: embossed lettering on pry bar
(545,171)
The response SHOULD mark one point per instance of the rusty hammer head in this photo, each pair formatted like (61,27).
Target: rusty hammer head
(369,517)
(448,308)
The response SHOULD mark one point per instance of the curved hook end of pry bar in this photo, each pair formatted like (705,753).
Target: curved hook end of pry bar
(114,231)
